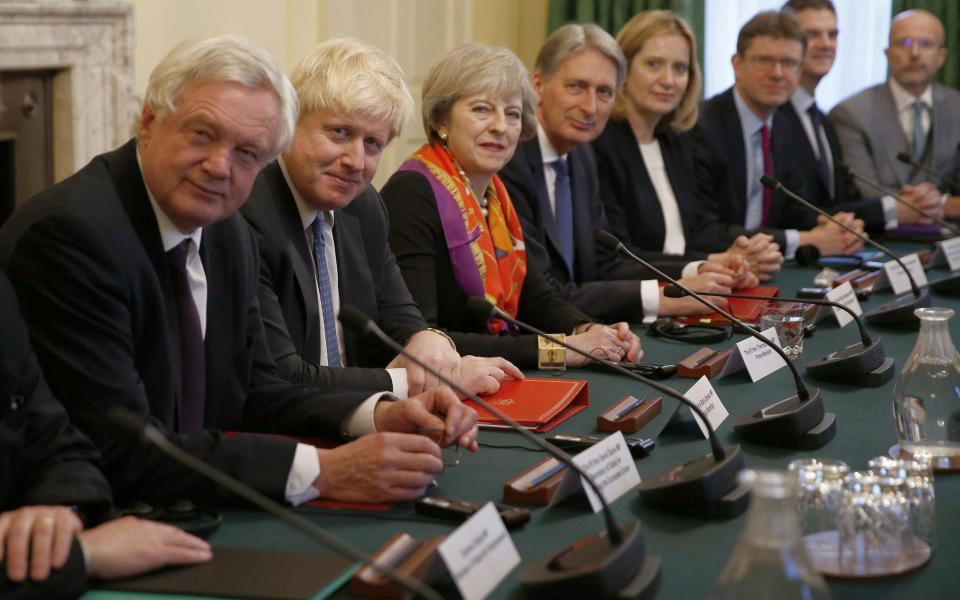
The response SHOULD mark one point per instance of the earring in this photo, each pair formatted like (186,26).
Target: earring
(443,135)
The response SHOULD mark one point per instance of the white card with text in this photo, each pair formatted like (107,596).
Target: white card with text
(898,278)
(479,553)
(760,358)
(844,294)
(951,251)
(705,397)
(611,467)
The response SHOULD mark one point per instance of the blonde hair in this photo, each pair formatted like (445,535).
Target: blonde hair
(476,69)
(345,75)
(228,58)
(643,27)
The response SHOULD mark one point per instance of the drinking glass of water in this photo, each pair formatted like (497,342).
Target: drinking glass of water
(787,321)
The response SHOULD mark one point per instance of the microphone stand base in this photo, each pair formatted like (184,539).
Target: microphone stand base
(790,423)
(899,311)
(875,378)
(702,487)
(593,568)
(849,365)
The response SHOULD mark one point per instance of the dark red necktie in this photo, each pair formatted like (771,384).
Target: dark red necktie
(192,362)
(767,170)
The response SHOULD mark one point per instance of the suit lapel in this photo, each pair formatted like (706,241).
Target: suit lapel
(352,264)
(579,195)
(536,170)
(733,139)
(890,137)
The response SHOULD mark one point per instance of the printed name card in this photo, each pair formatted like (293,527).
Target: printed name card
(949,250)
(705,397)
(898,278)
(611,467)
(759,358)
(479,553)
(844,294)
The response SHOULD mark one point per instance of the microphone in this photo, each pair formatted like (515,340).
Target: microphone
(906,158)
(137,426)
(897,312)
(705,486)
(608,562)
(797,422)
(896,196)
(860,364)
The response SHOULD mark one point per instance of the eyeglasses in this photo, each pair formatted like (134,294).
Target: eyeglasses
(767,63)
(922,43)
(451,454)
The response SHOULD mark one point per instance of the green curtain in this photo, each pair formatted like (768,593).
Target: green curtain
(949,13)
(612,14)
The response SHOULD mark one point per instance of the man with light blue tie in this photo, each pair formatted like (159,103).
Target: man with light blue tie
(908,113)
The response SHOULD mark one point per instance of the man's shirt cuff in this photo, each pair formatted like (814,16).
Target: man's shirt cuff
(650,299)
(401,388)
(691,269)
(361,420)
(889,205)
(792,239)
(303,472)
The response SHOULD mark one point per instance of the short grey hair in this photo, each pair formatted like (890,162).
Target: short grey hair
(476,69)
(572,38)
(345,75)
(228,58)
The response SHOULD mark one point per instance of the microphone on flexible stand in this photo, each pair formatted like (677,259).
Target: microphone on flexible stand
(906,158)
(860,364)
(897,312)
(135,425)
(896,196)
(796,422)
(705,486)
(610,564)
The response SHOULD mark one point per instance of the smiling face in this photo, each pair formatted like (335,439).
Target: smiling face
(820,26)
(335,156)
(658,76)
(482,132)
(574,104)
(768,72)
(200,160)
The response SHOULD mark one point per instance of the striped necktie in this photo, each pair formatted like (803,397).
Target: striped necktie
(326,294)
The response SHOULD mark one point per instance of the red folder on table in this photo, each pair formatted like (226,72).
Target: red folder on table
(537,404)
(743,309)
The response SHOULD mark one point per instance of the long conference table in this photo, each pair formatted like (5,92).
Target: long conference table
(694,550)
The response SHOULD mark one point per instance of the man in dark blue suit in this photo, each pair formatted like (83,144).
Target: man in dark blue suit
(816,142)
(353,103)
(552,180)
(139,286)
(742,137)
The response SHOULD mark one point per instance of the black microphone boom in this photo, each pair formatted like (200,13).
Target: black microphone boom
(896,196)
(906,158)
(136,425)
(897,312)
(609,564)
(860,364)
(797,422)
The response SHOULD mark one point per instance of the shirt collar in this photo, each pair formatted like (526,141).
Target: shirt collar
(802,100)
(546,148)
(749,121)
(307,213)
(903,99)
(169,234)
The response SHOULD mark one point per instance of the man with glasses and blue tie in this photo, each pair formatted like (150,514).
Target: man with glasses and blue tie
(741,137)
(909,113)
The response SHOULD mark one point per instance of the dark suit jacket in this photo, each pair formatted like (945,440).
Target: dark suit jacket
(722,175)
(417,240)
(368,279)
(43,459)
(630,200)
(88,265)
(603,284)
(845,195)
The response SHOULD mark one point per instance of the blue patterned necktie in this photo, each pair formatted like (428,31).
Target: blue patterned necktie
(563,213)
(919,138)
(192,359)
(326,295)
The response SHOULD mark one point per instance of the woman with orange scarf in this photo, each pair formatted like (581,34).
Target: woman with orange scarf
(454,230)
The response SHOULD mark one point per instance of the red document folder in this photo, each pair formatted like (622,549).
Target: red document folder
(745,310)
(537,404)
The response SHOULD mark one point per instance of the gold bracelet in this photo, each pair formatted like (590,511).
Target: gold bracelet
(551,355)
(443,334)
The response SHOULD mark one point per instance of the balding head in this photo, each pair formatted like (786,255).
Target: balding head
(916,51)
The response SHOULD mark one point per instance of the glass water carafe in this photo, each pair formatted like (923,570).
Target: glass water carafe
(926,396)
(770,560)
